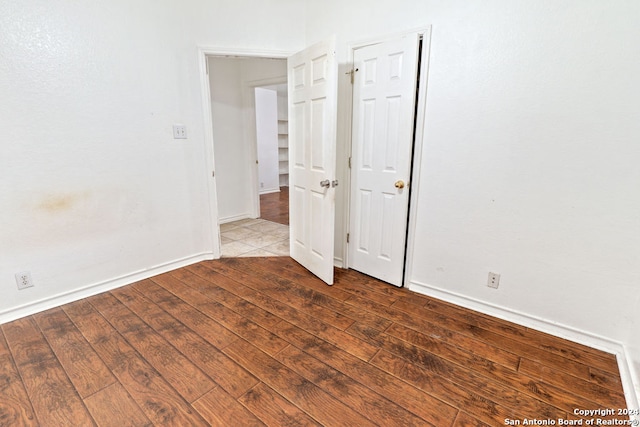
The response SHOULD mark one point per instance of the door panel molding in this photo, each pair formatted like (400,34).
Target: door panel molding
(384,104)
(312,153)
(424,34)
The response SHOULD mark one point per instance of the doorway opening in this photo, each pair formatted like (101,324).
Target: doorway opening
(236,86)
(313,81)
(272,130)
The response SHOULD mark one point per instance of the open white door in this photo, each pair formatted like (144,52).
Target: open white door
(312,77)
(384,100)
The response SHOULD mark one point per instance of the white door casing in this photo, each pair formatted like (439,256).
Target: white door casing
(312,79)
(384,100)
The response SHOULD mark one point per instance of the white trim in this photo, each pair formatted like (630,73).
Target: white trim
(338,262)
(270,190)
(205,93)
(348,137)
(232,52)
(203,52)
(417,153)
(100,287)
(423,30)
(630,381)
(543,325)
(235,218)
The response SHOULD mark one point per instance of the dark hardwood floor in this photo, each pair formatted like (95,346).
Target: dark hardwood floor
(259,341)
(275,206)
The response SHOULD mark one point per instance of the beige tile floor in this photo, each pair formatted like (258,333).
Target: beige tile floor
(254,237)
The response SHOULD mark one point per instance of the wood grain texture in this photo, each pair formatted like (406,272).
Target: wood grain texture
(219,408)
(606,379)
(261,342)
(393,388)
(275,410)
(229,319)
(357,396)
(274,297)
(313,289)
(185,377)
(15,407)
(226,298)
(474,399)
(465,420)
(315,401)
(274,285)
(82,364)
(151,392)
(52,395)
(231,376)
(275,206)
(114,407)
(589,390)
(557,346)
(200,352)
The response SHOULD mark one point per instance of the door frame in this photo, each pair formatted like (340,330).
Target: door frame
(205,93)
(420,121)
(249,95)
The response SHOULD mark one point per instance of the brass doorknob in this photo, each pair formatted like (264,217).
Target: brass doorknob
(399,184)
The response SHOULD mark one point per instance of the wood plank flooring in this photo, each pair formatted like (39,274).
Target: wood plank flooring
(275,206)
(259,341)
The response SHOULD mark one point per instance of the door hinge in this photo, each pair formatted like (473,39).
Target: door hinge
(213,174)
(347,237)
(349,162)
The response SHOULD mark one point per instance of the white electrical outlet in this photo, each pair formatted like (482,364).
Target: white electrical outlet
(494,280)
(179,132)
(24,280)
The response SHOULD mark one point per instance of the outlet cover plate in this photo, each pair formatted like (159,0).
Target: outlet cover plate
(24,280)
(179,132)
(493,280)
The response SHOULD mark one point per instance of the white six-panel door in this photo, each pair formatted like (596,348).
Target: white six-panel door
(384,97)
(312,80)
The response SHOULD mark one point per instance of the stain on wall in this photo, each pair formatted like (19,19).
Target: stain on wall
(58,203)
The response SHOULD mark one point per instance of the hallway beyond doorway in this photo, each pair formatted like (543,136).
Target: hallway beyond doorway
(254,237)
(265,236)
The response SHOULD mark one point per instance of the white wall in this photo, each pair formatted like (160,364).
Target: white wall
(529,166)
(93,189)
(231,153)
(267,139)
(232,82)
(530,160)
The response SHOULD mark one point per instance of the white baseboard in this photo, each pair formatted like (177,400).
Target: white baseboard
(627,374)
(269,191)
(97,288)
(233,218)
(338,262)
(630,383)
